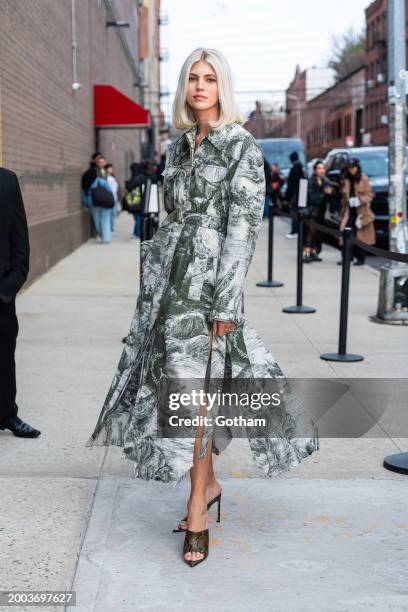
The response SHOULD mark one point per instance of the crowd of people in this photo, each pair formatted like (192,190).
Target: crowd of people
(354,193)
(100,195)
(103,195)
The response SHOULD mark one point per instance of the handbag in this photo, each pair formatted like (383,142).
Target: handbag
(102,197)
(134,200)
(364,218)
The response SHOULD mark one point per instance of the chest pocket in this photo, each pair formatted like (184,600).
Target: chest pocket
(173,186)
(213,174)
(213,182)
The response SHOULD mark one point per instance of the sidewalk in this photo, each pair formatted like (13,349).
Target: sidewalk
(330,536)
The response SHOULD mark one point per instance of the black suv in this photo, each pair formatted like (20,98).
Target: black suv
(374,163)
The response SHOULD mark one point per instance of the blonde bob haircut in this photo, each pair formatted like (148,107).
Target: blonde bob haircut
(183,117)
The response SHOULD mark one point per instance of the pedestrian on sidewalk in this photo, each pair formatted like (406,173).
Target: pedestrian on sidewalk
(292,192)
(87,178)
(318,195)
(357,196)
(14,265)
(189,321)
(268,187)
(277,184)
(132,202)
(114,185)
(102,201)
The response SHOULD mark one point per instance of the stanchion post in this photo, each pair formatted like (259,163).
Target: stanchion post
(342,355)
(299,308)
(270,282)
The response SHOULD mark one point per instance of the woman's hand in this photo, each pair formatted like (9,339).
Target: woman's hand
(223,327)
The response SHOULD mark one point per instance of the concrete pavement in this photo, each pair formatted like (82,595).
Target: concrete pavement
(330,535)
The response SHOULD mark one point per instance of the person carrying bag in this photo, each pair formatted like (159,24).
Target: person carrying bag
(357,196)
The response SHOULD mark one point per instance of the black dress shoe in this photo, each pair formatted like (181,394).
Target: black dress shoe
(358,262)
(307,258)
(19,428)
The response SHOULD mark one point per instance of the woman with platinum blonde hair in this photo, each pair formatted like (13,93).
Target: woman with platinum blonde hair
(189,322)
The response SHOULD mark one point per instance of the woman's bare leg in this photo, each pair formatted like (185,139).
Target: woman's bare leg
(213,488)
(197,519)
(197,506)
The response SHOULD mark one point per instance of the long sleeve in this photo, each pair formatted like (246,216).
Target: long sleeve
(12,282)
(246,203)
(365,192)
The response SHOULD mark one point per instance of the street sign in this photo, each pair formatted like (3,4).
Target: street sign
(302,198)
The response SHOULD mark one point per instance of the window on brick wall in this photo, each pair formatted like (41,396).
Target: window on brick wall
(339,127)
(347,125)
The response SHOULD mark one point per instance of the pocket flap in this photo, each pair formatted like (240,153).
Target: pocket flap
(171,172)
(213,174)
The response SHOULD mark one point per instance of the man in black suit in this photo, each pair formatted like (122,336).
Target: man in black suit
(14,262)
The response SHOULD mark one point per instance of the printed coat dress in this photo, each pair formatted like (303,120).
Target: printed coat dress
(193,272)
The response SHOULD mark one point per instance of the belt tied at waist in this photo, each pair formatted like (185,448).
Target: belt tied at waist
(180,216)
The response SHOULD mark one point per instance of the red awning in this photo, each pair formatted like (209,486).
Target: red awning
(113,109)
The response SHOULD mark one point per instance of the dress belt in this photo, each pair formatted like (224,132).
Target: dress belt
(180,216)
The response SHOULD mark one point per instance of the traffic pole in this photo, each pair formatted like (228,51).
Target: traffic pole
(397,90)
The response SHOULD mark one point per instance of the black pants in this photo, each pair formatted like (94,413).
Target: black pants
(293,207)
(358,252)
(8,337)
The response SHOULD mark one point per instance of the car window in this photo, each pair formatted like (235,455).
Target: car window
(340,161)
(329,163)
(374,163)
(277,152)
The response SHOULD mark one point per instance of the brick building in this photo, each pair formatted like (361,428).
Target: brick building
(267,120)
(305,85)
(376,130)
(335,117)
(376,107)
(47,126)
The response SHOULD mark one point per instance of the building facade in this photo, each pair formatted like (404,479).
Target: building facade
(335,117)
(52,56)
(305,85)
(376,128)
(150,57)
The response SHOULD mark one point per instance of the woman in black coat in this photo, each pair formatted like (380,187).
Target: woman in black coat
(319,192)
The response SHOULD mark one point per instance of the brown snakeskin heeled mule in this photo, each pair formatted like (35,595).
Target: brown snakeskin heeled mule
(196,541)
(210,503)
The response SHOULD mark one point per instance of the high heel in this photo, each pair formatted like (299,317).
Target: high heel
(217,498)
(196,541)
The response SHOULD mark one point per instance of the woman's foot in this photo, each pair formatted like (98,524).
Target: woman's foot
(197,522)
(213,490)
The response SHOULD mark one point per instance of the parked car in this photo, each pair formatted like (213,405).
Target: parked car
(277,151)
(374,163)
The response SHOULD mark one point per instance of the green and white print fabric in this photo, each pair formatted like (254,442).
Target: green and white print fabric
(193,272)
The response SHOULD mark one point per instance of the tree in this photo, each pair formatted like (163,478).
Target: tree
(348,52)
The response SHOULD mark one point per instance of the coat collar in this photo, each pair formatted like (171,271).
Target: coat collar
(216,137)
